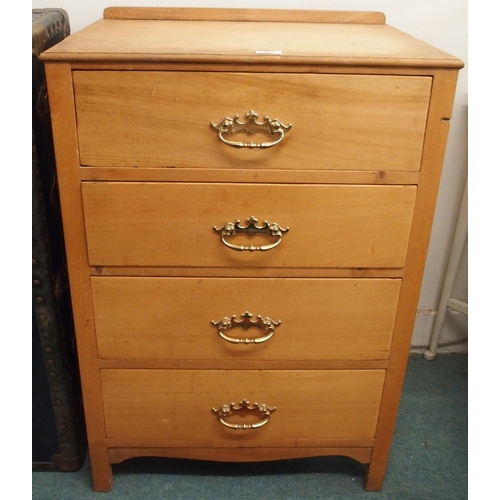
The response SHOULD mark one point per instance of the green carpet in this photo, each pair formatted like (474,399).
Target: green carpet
(428,459)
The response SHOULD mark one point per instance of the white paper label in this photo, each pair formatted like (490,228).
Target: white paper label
(269,52)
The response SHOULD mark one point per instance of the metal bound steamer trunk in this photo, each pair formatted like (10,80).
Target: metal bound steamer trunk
(58,427)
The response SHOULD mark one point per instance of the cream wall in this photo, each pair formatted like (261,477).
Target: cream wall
(442,23)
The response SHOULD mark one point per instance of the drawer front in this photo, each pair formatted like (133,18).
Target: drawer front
(177,405)
(172,224)
(171,318)
(162,119)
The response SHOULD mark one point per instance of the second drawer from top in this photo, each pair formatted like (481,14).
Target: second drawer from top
(210,225)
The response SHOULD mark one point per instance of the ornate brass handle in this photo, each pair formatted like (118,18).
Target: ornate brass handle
(265,323)
(227,409)
(234,228)
(268,126)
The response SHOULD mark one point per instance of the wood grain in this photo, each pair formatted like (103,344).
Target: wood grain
(245,364)
(330,226)
(239,272)
(262,15)
(358,453)
(171,318)
(143,181)
(248,174)
(60,86)
(433,156)
(233,42)
(367,122)
(168,405)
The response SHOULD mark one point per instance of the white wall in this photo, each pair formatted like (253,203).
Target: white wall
(442,23)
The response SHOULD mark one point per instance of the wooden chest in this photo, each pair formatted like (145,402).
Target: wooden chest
(247,200)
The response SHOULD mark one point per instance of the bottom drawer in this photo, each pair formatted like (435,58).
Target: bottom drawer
(175,407)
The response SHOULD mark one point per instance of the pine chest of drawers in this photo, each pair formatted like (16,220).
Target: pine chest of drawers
(247,200)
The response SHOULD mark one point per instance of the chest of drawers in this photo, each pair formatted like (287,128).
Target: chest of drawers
(247,200)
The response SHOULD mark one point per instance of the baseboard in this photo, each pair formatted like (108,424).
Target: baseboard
(453,337)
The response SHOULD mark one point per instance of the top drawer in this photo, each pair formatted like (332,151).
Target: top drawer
(162,119)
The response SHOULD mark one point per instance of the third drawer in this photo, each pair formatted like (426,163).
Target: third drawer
(180,318)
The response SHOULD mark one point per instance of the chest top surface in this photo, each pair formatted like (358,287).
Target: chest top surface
(340,41)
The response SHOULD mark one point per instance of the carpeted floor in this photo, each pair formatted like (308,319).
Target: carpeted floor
(428,459)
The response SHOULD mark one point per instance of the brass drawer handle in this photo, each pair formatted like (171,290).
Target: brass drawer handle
(226,410)
(233,228)
(265,323)
(268,126)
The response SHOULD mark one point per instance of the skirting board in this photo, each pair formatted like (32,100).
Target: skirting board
(453,338)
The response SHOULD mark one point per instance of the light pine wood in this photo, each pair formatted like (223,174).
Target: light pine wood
(239,272)
(168,405)
(244,364)
(225,42)
(367,122)
(272,445)
(66,150)
(133,322)
(118,455)
(305,67)
(433,156)
(263,15)
(330,226)
(378,177)
(143,180)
